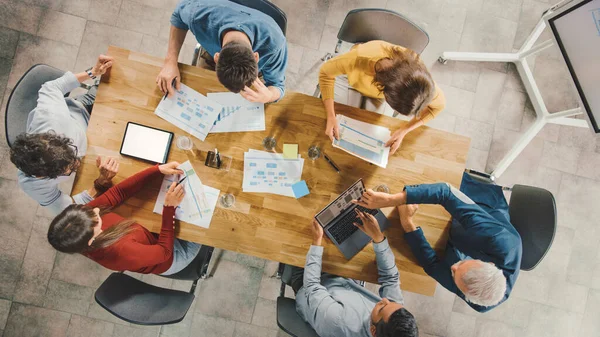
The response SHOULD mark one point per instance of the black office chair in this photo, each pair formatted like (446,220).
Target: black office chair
(264,6)
(288,319)
(532,212)
(368,24)
(140,303)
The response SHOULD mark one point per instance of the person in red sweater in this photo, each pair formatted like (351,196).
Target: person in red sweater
(120,244)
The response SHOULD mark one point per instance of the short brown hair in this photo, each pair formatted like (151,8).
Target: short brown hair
(406,84)
(237,67)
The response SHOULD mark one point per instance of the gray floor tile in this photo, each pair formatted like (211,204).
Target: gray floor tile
(38,247)
(33,281)
(484,33)
(547,178)
(4,309)
(27,320)
(514,311)
(164,4)
(251,261)
(577,137)
(329,39)
(76,7)
(588,164)
(432,313)
(15,225)
(568,296)
(183,328)
(140,18)
(51,4)
(549,132)
(247,330)
(560,157)
(440,40)
(590,325)
(444,121)
(84,326)
(466,76)
(68,297)
(212,326)
(35,49)
(155,46)
(265,313)
(8,41)
(305,27)
(238,287)
(577,203)
(421,12)
(532,288)
(531,12)
(11,259)
(442,73)
(7,168)
(552,322)
(461,325)
(105,11)
(488,328)
(62,27)
(513,79)
(136,331)
(490,88)
(509,9)
(269,287)
(563,240)
(19,16)
(452,17)
(511,109)
(480,133)
(339,8)
(68,268)
(459,102)
(295,53)
(552,77)
(477,159)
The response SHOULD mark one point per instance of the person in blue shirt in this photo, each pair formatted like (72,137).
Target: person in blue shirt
(336,306)
(483,254)
(242,41)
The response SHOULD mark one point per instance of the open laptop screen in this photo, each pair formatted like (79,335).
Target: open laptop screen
(341,203)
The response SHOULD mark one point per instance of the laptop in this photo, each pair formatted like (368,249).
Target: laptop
(337,220)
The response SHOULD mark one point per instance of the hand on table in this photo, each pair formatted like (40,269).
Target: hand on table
(396,140)
(406,214)
(261,95)
(174,195)
(109,167)
(369,226)
(102,64)
(317,232)
(333,128)
(170,168)
(373,200)
(164,79)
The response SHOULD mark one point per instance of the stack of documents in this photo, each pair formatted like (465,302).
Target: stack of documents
(363,140)
(199,202)
(190,111)
(266,172)
(237,114)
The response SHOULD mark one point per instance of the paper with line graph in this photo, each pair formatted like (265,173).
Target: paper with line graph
(363,140)
(237,114)
(199,202)
(190,111)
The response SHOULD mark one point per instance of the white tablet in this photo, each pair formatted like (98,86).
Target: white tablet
(146,143)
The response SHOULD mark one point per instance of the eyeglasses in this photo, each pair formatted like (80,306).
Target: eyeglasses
(74,165)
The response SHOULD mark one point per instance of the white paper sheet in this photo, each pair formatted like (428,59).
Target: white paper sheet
(363,140)
(199,202)
(266,172)
(237,114)
(190,111)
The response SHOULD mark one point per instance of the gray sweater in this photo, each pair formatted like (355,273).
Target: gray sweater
(67,117)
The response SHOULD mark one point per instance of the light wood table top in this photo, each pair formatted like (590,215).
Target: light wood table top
(265,225)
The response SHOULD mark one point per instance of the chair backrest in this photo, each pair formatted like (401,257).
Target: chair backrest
(23,98)
(140,303)
(533,214)
(268,8)
(289,321)
(368,24)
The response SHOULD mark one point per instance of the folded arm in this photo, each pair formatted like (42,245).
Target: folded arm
(125,189)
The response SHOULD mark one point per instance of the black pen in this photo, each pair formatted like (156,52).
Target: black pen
(172,85)
(331,162)
(179,183)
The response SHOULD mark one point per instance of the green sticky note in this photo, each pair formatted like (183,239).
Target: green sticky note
(290,151)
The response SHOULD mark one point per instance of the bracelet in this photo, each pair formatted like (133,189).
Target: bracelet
(89,72)
(101,188)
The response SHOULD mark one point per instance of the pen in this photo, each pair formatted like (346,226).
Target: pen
(179,183)
(331,162)
(172,85)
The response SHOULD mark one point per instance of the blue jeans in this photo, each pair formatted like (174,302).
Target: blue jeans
(184,252)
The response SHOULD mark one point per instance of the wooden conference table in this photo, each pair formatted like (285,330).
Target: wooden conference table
(265,225)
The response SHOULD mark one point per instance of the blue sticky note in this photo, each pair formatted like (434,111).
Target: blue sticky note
(300,189)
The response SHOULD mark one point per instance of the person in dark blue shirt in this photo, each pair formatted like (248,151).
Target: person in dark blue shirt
(242,41)
(483,254)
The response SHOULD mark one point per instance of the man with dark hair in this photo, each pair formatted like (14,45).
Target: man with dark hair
(336,306)
(55,141)
(242,42)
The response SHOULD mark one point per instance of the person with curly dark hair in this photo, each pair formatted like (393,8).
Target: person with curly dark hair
(55,141)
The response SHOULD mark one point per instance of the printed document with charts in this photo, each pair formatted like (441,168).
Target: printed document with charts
(266,172)
(190,111)
(363,140)
(237,114)
(199,202)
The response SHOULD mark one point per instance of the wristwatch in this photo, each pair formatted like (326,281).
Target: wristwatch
(89,72)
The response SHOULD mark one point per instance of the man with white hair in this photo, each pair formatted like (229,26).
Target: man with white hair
(483,254)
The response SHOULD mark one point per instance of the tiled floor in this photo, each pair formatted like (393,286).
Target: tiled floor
(44,293)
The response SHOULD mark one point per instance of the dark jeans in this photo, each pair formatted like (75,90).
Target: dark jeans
(297,279)
(88,98)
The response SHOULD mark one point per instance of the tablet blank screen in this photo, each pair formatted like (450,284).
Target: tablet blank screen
(146,143)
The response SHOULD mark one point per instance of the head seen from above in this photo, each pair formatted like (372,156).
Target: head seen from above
(44,155)
(237,66)
(391,319)
(405,81)
(482,283)
(78,228)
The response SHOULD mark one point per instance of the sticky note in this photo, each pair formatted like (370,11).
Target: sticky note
(290,151)
(300,189)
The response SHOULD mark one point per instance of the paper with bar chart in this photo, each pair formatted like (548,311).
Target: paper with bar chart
(199,202)
(266,172)
(190,111)
(363,140)
(237,114)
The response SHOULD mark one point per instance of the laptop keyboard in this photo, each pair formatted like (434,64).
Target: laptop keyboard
(344,227)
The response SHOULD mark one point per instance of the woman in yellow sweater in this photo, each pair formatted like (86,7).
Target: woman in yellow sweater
(381,70)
